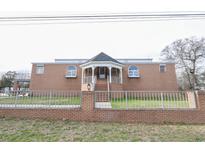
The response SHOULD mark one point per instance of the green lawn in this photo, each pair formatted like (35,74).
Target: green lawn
(58,130)
(116,103)
(137,103)
(41,100)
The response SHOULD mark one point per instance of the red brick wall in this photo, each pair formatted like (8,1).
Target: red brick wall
(88,113)
(116,87)
(54,78)
(150,78)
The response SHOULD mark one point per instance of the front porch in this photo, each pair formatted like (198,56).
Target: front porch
(113,75)
(100,77)
(99,72)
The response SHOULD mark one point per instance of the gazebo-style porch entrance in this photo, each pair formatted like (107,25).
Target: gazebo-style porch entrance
(102,70)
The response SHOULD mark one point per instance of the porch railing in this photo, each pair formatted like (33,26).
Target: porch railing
(87,79)
(115,79)
(95,80)
(145,100)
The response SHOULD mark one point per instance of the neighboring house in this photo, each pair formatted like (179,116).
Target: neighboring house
(103,72)
(22,81)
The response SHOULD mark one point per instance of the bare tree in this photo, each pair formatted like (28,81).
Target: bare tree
(189,55)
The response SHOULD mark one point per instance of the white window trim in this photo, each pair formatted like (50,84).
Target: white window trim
(165,68)
(71,73)
(42,69)
(133,72)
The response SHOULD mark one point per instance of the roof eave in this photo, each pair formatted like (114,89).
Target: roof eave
(101,62)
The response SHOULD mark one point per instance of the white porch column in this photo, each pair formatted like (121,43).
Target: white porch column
(82,78)
(110,73)
(121,75)
(93,69)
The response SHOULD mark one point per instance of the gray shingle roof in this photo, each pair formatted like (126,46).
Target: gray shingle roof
(103,57)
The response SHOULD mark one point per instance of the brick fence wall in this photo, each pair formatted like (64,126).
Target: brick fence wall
(87,112)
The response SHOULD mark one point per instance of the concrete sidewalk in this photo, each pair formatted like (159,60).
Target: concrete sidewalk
(103,105)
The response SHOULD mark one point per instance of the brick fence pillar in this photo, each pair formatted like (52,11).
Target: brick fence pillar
(201,100)
(87,105)
(88,101)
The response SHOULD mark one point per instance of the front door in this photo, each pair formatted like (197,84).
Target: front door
(102,72)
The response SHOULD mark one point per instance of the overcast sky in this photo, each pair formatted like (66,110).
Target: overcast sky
(22,44)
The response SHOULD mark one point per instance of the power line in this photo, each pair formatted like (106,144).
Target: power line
(125,15)
(122,17)
(113,21)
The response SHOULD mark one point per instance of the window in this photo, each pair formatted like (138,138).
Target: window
(39,68)
(71,72)
(133,72)
(162,68)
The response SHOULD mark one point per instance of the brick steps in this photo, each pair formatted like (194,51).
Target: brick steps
(101,85)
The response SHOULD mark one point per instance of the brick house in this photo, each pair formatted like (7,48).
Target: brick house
(102,73)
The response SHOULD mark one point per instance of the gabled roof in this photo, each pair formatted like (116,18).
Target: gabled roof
(103,57)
